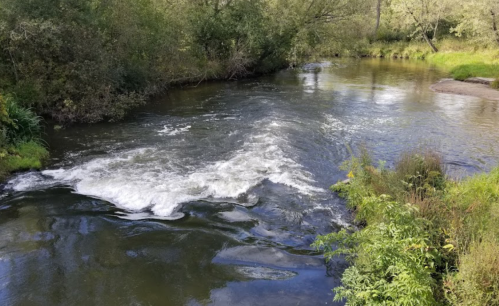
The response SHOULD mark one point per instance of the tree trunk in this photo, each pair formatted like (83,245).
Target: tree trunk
(423,32)
(378,18)
(430,43)
(436,29)
(494,25)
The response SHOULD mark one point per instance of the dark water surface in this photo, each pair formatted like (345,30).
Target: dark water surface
(212,195)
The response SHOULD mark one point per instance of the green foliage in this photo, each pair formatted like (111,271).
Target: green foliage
(417,174)
(435,238)
(23,124)
(464,64)
(95,60)
(87,61)
(4,115)
(474,209)
(473,215)
(392,257)
(22,156)
(20,132)
(25,156)
(461,59)
(495,84)
(477,282)
(421,173)
(463,72)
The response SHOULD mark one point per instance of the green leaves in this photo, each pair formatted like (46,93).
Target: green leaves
(392,257)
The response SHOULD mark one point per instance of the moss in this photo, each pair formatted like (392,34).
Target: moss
(24,156)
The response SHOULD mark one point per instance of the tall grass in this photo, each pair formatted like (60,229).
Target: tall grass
(477,282)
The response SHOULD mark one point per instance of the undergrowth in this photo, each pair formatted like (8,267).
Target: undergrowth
(21,147)
(420,234)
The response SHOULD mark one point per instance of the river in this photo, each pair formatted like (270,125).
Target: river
(212,195)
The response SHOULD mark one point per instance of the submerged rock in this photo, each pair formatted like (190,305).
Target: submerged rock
(235,216)
(265,273)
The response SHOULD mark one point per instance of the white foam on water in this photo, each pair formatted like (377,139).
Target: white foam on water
(334,124)
(143,179)
(30,181)
(170,131)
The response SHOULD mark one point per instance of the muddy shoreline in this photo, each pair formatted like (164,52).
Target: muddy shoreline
(476,89)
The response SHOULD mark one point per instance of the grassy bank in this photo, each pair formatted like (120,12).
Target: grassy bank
(462,59)
(424,239)
(21,147)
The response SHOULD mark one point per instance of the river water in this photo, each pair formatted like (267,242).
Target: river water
(213,194)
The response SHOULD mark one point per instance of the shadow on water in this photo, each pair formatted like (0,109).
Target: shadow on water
(213,194)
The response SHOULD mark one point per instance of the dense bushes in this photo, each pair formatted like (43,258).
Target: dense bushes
(420,236)
(94,60)
(393,257)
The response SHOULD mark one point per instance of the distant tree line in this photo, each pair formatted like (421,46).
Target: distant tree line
(93,60)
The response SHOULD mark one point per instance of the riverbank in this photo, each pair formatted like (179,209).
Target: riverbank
(423,236)
(461,59)
(21,146)
(21,157)
(479,90)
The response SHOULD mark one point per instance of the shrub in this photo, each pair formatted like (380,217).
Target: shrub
(495,84)
(451,226)
(421,172)
(417,175)
(392,257)
(23,125)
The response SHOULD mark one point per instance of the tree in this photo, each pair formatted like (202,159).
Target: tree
(421,15)
(378,17)
(478,20)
